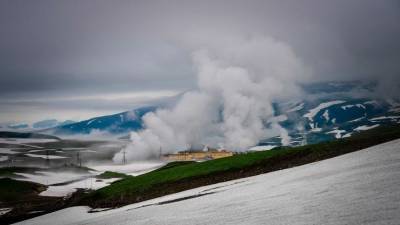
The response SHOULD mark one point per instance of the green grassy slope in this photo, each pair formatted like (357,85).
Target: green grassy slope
(110,174)
(174,164)
(184,176)
(12,190)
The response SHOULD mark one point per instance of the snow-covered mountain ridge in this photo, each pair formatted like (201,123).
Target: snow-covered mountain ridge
(326,111)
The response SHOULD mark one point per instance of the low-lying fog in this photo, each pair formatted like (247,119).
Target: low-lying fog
(67,164)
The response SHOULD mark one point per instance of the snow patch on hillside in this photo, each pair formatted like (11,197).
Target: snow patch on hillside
(372,102)
(366,127)
(347,135)
(337,132)
(326,115)
(7,151)
(49,178)
(4,211)
(262,147)
(313,112)
(91,183)
(345,107)
(90,121)
(356,120)
(385,118)
(133,169)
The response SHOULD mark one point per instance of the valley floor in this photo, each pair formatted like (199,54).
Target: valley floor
(356,188)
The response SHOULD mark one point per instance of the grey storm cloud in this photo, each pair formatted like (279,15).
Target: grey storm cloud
(68,48)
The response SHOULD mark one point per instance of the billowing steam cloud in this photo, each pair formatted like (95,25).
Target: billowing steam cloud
(231,108)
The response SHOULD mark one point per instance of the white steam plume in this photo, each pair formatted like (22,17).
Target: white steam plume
(236,85)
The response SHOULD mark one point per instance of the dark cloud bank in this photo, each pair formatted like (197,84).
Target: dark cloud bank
(66,49)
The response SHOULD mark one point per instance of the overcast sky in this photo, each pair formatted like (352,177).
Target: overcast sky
(76,59)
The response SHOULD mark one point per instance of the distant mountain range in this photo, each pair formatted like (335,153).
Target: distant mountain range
(120,123)
(40,125)
(51,123)
(328,110)
(311,122)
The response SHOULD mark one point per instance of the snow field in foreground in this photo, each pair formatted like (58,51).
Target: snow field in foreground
(356,188)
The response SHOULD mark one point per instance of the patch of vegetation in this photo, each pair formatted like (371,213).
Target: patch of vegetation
(24,199)
(182,176)
(13,190)
(110,174)
(174,164)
